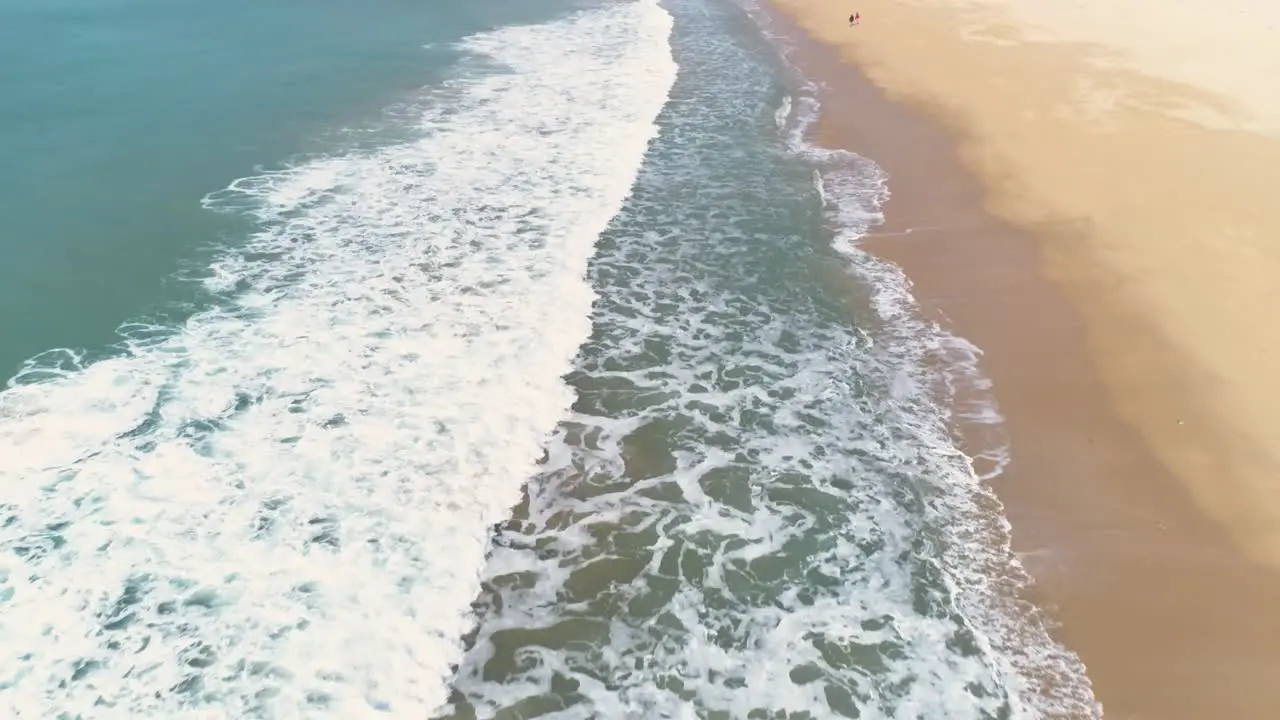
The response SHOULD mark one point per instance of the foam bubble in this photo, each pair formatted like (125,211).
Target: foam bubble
(783,113)
(280,508)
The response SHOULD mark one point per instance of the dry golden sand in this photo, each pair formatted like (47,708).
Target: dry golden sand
(1144,409)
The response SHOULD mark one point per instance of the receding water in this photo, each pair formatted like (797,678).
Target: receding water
(538,375)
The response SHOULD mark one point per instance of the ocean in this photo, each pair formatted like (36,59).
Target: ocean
(486,361)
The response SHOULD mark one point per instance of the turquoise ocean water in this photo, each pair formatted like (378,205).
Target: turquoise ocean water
(472,360)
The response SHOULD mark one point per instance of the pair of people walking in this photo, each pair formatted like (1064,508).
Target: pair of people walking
(855,19)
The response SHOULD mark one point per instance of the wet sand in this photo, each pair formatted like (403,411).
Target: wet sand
(1119,266)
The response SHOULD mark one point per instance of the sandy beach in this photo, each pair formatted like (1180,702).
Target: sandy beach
(1100,174)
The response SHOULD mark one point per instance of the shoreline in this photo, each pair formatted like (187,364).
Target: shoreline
(1172,616)
(1156,222)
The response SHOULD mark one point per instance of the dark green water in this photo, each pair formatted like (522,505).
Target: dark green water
(755,509)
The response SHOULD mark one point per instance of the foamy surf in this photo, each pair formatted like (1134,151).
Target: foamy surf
(280,508)
(938,383)
(757,508)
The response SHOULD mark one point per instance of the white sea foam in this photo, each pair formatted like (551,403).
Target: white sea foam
(783,113)
(947,395)
(945,392)
(280,508)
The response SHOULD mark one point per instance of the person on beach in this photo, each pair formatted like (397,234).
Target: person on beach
(854,19)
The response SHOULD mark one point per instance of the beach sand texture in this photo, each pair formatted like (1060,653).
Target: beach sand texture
(1141,142)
